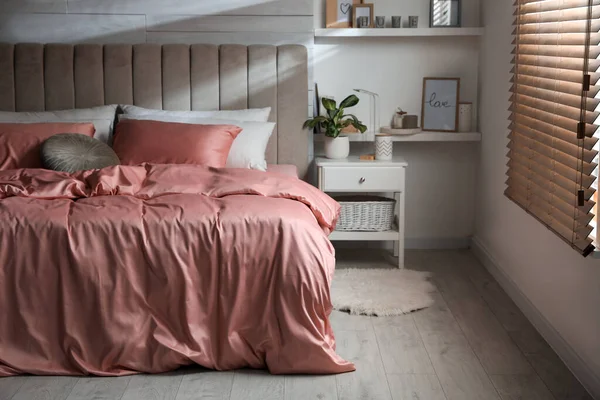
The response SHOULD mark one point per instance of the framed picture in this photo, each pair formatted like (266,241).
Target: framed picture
(339,13)
(362,10)
(444,13)
(439,110)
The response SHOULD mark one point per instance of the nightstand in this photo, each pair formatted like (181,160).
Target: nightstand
(353,175)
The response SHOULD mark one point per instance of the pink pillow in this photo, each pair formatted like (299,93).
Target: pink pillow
(139,141)
(20,143)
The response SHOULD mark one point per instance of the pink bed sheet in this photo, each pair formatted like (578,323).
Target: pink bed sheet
(152,267)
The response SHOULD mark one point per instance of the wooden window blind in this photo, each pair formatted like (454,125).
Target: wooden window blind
(554,115)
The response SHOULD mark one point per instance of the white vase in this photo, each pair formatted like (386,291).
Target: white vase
(465,116)
(384,146)
(338,147)
(398,121)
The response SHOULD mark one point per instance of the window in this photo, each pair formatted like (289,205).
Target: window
(554,115)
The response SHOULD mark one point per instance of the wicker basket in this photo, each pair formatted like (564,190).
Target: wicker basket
(366,213)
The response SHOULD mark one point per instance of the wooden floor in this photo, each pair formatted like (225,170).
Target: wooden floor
(474,343)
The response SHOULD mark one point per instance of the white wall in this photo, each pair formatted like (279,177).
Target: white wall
(135,21)
(561,285)
(441,177)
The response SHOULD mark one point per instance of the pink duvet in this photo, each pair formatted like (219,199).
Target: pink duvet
(148,268)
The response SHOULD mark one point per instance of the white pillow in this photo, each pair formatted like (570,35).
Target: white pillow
(102,117)
(248,149)
(255,114)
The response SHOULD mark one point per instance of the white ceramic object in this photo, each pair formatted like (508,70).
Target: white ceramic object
(336,148)
(398,121)
(384,147)
(465,116)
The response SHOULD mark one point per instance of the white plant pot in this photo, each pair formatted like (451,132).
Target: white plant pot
(338,147)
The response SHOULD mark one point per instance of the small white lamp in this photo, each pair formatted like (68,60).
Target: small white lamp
(375,117)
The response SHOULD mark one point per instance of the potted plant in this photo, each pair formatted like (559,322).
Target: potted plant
(336,145)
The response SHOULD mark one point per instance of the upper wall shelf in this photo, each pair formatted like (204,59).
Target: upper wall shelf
(417,137)
(396,32)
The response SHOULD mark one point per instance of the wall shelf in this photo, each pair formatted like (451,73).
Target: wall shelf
(396,32)
(417,137)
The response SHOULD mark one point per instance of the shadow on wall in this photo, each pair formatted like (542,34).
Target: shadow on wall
(192,7)
(247,22)
(137,21)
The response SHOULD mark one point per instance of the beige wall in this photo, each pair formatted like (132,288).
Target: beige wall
(562,286)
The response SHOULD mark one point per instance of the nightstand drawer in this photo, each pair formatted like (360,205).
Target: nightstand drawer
(381,179)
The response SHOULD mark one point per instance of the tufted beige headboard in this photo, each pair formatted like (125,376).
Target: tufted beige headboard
(36,77)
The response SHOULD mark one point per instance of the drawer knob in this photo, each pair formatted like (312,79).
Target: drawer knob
(362,180)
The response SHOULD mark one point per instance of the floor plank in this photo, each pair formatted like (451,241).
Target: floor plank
(529,341)
(257,385)
(540,355)
(99,388)
(342,321)
(153,387)
(489,340)
(557,377)
(402,349)
(46,388)
(310,388)
(415,387)
(506,311)
(438,318)
(368,382)
(494,347)
(460,372)
(205,385)
(521,387)
(10,385)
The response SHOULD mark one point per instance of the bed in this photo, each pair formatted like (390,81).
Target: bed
(147,268)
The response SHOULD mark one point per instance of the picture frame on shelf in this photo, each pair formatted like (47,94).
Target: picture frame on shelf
(439,111)
(445,13)
(338,13)
(363,10)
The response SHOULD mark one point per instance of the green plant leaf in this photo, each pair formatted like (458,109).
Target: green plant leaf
(328,104)
(311,123)
(356,123)
(346,123)
(340,114)
(332,131)
(353,118)
(362,128)
(349,101)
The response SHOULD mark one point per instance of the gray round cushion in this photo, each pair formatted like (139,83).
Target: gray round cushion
(72,152)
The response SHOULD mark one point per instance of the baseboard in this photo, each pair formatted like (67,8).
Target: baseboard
(437,243)
(572,360)
(412,244)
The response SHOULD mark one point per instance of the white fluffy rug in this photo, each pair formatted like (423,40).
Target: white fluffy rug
(381,292)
